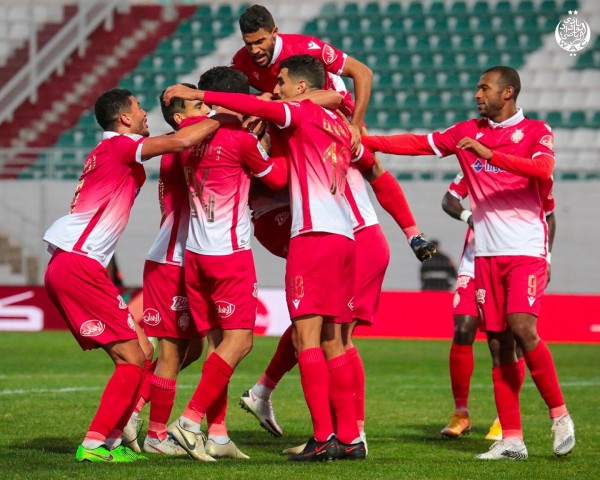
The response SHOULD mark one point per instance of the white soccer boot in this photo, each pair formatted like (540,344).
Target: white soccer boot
(166,446)
(191,442)
(262,410)
(563,430)
(502,450)
(228,450)
(131,432)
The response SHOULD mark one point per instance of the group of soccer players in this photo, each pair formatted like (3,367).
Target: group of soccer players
(298,157)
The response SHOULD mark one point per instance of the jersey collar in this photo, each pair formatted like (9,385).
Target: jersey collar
(276,50)
(509,122)
(107,134)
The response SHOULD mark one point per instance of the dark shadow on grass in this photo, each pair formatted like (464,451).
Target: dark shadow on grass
(48,444)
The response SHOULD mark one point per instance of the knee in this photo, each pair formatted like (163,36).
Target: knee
(465,330)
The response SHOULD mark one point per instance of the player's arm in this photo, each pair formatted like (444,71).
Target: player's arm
(404,144)
(551,221)
(272,171)
(180,140)
(452,206)
(323,98)
(539,166)
(362,77)
(276,176)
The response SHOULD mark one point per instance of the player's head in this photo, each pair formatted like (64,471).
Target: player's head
(299,74)
(224,79)
(117,110)
(179,109)
(259,33)
(497,91)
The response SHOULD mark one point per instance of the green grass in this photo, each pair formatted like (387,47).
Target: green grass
(49,391)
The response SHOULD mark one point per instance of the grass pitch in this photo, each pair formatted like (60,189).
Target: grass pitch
(49,391)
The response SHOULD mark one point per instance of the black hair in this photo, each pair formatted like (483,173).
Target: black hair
(110,105)
(177,105)
(255,18)
(509,77)
(307,68)
(224,79)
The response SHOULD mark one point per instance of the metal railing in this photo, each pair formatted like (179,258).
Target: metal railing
(52,56)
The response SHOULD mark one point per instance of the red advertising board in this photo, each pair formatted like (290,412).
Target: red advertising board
(564,318)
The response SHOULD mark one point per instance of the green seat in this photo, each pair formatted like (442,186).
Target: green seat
(312,28)
(329,10)
(434,100)
(441,24)
(480,8)
(576,119)
(466,43)
(352,27)
(407,80)
(415,9)
(569,5)
(503,7)
(554,118)
(415,120)
(372,9)
(453,81)
(350,10)
(437,9)
(394,10)
(456,100)
(532,115)
(507,25)
(458,8)
(418,25)
(484,24)
(548,6)
(203,11)
(462,26)
(225,13)
(411,102)
(526,6)
(225,29)
(437,120)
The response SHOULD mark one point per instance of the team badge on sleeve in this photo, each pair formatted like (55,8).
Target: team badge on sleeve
(329,55)
(547,141)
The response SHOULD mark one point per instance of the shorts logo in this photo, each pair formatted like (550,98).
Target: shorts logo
(456,300)
(91,328)
(130,322)
(351,304)
(296,303)
(480,296)
(183,321)
(517,136)
(547,141)
(122,304)
(531,301)
(224,309)
(151,317)
(180,303)
(329,55)
(463,281)
(281,218)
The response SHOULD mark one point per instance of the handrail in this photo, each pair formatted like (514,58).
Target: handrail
(52,56)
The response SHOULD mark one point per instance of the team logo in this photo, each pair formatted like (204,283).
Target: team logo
(478,135)
(281,218)
(477,166)
(462,281)
(329,55)
(547,141)
(130,322)
(456,300)
(151,317)
(517,136)
(91,328)
(224,309)
(122,304)
(572,34)
(313,46)
(351,304)
(180,303)
(480,296)
(296,302)
(531,301)
(183,321)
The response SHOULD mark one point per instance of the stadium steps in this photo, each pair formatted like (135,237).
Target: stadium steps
(14,269)
(65,97)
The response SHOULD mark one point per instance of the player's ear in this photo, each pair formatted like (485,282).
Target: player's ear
(509,93)
(125,119)
(275,31)
(301,87)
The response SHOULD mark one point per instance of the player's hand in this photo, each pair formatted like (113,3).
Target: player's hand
(475,147)
(470,222)
(549,274)
(355,131)
(183,92)
(255,125)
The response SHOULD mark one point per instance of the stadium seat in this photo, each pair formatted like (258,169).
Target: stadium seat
(575,119)
(459,8)
(372,9)
(329,10)
(480,8)
(415,9)
(350,10)
(394,10)
(503,7)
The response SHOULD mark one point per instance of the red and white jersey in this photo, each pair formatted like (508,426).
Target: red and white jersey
(318,145)
(363,213)
(169,245)
(508,212)
(217,172)
(264,79)
(111,179)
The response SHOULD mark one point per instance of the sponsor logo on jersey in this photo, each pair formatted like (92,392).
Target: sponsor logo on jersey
(180,303)
(480,296)
(122,304)
(224,309)
(477,166)
(329,55)
(480,165)
(517,136)
(183,321)
(462,281)
(91,328)
(547,141)
(151,317)
(572,34)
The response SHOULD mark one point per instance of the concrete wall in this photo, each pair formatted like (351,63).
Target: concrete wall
(575,260)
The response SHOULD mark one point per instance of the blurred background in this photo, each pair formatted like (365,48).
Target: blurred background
(56,57)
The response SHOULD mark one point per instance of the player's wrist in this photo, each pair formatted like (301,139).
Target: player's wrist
(549,257)
(465,215)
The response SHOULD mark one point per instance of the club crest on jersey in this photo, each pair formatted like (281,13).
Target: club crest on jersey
(122,304)
(151,317)
(180,303)
(480,296)
(183,321)
(462,281)
(91,328)
(329,55)
(547,141)
(517,136)
(224,309)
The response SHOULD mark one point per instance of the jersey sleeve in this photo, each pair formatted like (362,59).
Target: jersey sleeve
(127,148)
(444,143)
(333,60)
(458,187)
(254,156)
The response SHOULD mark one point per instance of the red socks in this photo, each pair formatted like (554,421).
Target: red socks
(508,380)
(341,396)
(391,197)
(461,370)
(541,366)
(215,415)
(358,382)
(314,377)
(117,400)
(283,360)
(163,397)
(216,374)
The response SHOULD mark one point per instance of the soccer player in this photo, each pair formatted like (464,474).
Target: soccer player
(82,244)
(318,144)
(466,319)
(505,157)
(219,268)
(260,59)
